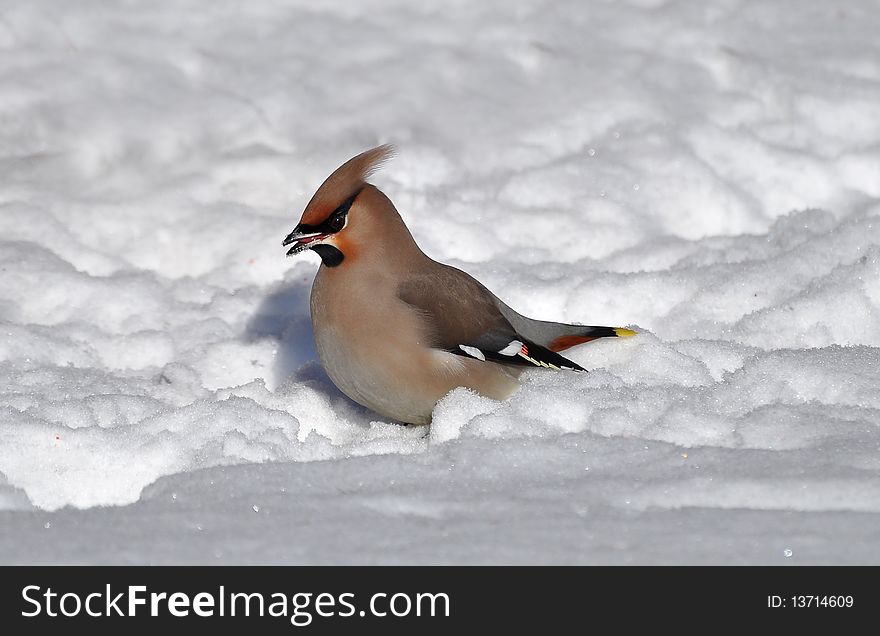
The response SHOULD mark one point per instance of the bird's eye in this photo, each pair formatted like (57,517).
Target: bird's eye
(337,222)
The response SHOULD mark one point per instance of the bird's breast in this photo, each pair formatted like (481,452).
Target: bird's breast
(377,349)
(372,347)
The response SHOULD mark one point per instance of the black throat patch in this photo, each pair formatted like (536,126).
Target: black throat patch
(330,256)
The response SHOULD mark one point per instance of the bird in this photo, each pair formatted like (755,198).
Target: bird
(396,330)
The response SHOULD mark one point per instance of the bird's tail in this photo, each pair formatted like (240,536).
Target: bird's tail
(581,334)
(558,336)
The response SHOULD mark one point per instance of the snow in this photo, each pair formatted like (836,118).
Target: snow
(708,173)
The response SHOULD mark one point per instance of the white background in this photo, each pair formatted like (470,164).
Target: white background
(707,173)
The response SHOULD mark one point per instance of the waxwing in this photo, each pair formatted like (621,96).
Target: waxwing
(396,330)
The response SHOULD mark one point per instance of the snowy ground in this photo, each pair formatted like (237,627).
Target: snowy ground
(707,172)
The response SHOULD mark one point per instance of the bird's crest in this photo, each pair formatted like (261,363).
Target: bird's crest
(345,182)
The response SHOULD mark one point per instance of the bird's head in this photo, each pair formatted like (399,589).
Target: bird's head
(339,214)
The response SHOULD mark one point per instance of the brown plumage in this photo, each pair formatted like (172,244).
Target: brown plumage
(344,182)
(396,330)
(567,342)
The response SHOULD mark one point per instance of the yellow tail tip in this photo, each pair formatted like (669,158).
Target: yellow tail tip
(620,332)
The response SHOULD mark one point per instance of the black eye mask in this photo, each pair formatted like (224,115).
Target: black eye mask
(304,234)
(333,223)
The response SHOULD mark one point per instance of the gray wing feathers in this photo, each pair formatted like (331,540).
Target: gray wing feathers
(461,314)
(462,311)
(458,308)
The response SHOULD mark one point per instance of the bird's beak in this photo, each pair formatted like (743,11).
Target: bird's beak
(301,240)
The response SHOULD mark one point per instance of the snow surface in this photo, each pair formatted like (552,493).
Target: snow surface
(707,172)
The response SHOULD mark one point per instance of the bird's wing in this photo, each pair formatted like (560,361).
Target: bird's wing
(464,318)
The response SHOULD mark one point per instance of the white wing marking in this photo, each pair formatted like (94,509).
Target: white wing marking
(473,352)
(512,349)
